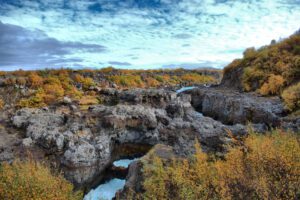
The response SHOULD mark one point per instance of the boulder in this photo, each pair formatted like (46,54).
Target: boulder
(80,155)
(231,107)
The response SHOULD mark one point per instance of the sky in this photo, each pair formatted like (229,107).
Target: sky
(142,34)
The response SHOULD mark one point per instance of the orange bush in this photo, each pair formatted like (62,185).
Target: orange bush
(29,180)
(35,80)
(127,81)
(86,82)
(291,97)
(261,68)
(194,78)
(273,86)
(21,81)
(1,103)
(261,167)
(151,82)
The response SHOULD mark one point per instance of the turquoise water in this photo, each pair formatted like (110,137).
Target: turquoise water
(123,163)
(185,89)
(107,190)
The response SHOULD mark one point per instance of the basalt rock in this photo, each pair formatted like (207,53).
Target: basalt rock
(85,142)
(232,107)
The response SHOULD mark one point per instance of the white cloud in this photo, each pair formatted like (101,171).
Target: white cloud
(215,32)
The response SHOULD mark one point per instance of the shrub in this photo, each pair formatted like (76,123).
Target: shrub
(291,97)
(86,82)
(35,80)
(34,101)
(128,81)
(1,103)
(29,180)
(89,100)
(260,167)
(273,86)
(2,73)
(261,68)
(194,78)
(53,92)
(21,81)
(151,82)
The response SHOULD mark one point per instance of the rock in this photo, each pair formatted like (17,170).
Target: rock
(42,127)
(67,100)
(134,179)
(231,107)
(80,155)
(126,116)
(84,141)
(27,142)
(73,107)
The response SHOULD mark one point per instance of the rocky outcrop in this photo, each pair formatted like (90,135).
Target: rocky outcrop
(87,140)
(135,177)
(232,78)
(232,107)
(157,98)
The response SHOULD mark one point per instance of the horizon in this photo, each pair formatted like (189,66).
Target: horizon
(138,34)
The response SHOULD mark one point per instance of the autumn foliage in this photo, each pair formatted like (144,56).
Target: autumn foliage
(1,103)
(270,69)
(263,167)
(291,97)
(30,180)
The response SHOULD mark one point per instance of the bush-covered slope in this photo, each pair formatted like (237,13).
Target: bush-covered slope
(269,70)
(259,167)
(31,180)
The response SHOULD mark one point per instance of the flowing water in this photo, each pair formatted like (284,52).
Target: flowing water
(107,190)
(184,89)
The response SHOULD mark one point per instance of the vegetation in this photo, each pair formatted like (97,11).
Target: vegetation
(291,97)
(271,69)
(48,87)
(259,167)
(30,180)
(1,103)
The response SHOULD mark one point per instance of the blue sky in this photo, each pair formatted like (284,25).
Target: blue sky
(138,33)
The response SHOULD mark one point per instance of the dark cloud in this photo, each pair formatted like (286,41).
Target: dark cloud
(119,63)
(183,36)
(20,46)
(185,45)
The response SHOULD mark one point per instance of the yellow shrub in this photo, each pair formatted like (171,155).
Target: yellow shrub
(267,167)
(194,78)
(88,100)
(264,167)
(273,86)
(28,180)
(128,81)
(86,82)
(151,82)
(35,80)
(34,101)
(291,97)
(1,103)
(2,73)
(53,92)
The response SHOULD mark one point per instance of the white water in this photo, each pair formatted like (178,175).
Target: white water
(123,163)
(184,89)
(107,191)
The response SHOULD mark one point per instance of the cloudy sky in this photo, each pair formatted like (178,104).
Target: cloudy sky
(138,33)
